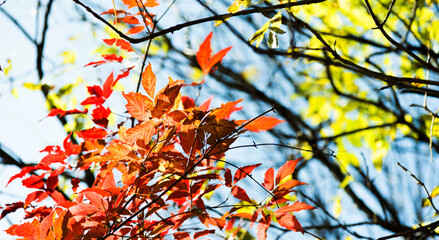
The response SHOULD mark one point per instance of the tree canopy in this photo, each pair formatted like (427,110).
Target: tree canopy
(352,82)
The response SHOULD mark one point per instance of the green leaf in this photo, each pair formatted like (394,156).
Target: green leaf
(272,40)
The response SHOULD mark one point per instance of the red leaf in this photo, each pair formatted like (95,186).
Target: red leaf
(69,147)
(95,64)
(62,113)
(37,196)
(204,52)
(75,184)
(182,236)
(187,102)
(26,170)
(57,197)
(287,169)
(203,233)
(119,43)
(269,179)
(93,100)
(240,194)
(38,212)
(95,90)
(100,116)
(53,158)
(34,181)
(135,30)
(244,171)
(124,74)
(9,208)
(289,221)
(52,180)
(228,177)
(138,105)
(92,134)
(204,58)
(295,207)
(260,124)
(112,57)
(149,81)
(107,90)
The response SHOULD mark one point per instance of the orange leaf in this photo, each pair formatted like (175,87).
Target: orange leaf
(263,226)
(131,3)
(269,179)
(295,207)
(129,19)
(216,59)
(289,184)
(118,150)
(45,225)
(135,3)
(135,30)
(138,105)
(290,222)
(206,104)
(83,209)
(261,123)
(27,230)
(149,81)
(165,99)
(204,53)
(143,131)
(287,169)
(227,109)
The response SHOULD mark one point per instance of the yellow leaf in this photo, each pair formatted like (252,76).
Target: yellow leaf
(32,86)
(7,68)
(346,181)
(435,192)
(337,207)
(69,57)
(347,159)
(14,92)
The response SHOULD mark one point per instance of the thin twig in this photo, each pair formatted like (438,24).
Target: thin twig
(423,186)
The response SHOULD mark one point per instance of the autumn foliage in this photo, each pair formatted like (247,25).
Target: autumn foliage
(156,170)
